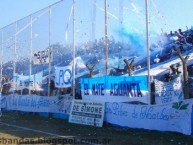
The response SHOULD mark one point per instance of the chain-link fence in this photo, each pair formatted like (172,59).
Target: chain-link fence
(57,27)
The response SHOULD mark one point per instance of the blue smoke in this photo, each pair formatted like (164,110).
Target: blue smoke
(136,41)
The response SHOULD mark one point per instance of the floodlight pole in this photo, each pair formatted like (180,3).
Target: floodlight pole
(1,87)
(74,49)
(30,67)
(148,51)
(94,20)
(1,59)
(15,56)
(106,36)
(121,4)
(49,65)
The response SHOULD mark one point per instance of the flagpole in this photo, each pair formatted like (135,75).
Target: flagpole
(49,67)
(148,50)
(106,37)
(73,85)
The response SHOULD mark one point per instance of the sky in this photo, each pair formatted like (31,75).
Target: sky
(173,14)
(13,10)
(163,15)
(169,11)
(129,26)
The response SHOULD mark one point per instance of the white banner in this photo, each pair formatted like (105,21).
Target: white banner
(33,82)
(63,77)
(0,104)
(41,57)
(166,117)
(168,92)
(34,103)
(3,103)
(115,89)
(87,112)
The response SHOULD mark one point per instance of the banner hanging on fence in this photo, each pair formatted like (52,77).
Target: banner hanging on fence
(165,117)
(63,77)
(32,82)
(0,104)
(115,89)
(34,103)
(42,57)
(87,112)
(167,92)
(3,102)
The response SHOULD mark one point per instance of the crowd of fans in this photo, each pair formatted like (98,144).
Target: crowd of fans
(177,39)
(91,54)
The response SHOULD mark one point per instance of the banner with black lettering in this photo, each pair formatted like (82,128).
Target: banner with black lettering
(168,92)
(87,112)
(41,57)
(116,89)
(63,77)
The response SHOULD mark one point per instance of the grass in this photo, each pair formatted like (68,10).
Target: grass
(108,134)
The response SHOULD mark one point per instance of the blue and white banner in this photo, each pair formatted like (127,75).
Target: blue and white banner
(87,112)
(0,104)
(34,103)
(42,57)
(168,92)
(3,103)
(166,117)
(33,82)
(116,89)
(63,77)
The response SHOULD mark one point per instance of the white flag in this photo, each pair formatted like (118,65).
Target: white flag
(78,62)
